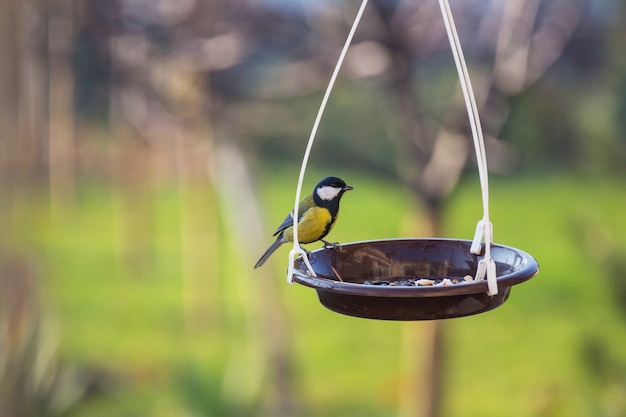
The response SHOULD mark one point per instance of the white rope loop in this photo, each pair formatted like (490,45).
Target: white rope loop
(484,228)
(297,250)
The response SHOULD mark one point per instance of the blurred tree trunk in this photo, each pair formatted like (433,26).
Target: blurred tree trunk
(33,99)
(193,144)
(267,326)
(9,92)
(424,354)
(134,176)
(200,235)
(61,145)
(433,376)
(419,167)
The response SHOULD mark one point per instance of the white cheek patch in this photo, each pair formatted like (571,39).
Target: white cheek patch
(327,192)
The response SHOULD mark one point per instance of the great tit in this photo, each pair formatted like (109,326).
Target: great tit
(317,214)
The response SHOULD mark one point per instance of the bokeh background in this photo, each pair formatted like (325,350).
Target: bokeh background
(149,147)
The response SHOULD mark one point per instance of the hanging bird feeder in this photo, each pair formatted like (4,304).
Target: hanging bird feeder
(413,279)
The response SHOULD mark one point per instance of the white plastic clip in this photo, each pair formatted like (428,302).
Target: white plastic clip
(484,231)
(486,266)
(481,270)
(477,247)
(492,282)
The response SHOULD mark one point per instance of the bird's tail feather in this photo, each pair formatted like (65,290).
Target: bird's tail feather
(277,243)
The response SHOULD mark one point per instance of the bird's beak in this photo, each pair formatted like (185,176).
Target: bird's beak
(348,188)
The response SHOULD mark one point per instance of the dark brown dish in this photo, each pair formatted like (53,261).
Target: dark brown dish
(411,279)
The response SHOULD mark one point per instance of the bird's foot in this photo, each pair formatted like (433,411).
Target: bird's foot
(331,245)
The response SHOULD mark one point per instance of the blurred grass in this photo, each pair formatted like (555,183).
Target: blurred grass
(129,316)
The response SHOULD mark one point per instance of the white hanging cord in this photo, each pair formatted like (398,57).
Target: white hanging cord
(297,250)
(484,228)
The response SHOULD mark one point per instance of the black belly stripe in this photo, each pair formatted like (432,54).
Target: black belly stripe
(328,226)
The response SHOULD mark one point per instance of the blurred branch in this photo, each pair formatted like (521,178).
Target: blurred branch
(513,44)
(525,48)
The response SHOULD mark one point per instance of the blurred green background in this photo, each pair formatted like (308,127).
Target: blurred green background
(149,148)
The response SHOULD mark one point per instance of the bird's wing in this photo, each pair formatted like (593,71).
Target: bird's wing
(305,204)
(285,224)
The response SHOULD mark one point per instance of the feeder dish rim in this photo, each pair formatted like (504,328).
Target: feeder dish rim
(527,269)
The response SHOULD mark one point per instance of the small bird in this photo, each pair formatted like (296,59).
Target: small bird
(317,214)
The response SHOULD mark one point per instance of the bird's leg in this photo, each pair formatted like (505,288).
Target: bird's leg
(308,254)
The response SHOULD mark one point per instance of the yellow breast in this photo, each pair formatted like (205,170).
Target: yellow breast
(312,226)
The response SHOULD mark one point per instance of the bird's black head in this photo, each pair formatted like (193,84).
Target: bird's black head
(329,191)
